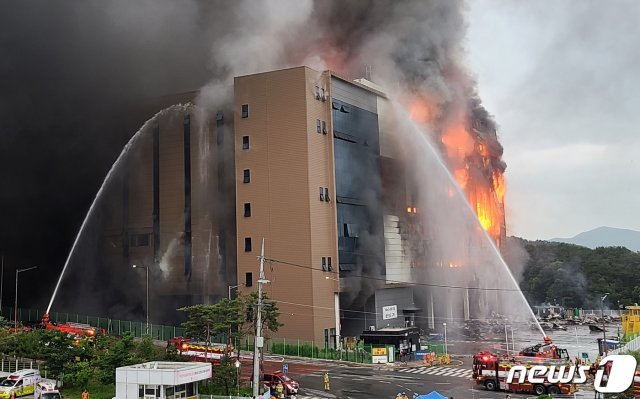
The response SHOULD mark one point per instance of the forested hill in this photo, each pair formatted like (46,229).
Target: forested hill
(578,276)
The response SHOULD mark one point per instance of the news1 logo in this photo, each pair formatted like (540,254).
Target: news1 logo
(621,371)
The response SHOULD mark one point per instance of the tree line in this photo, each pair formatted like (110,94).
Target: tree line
(576,276)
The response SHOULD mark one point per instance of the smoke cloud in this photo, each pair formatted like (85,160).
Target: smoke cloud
(76,81)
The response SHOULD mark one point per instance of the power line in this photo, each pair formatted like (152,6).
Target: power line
(394,281)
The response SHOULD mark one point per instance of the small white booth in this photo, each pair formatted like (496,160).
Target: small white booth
(161,380)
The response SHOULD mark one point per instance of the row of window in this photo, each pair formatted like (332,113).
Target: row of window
(320,94)
(326,264)
(324,194)
(321,126)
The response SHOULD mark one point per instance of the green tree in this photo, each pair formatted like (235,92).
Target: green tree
(224,375)
(57,350)
(79,374)
(204,321)
(270,313)
(120,354)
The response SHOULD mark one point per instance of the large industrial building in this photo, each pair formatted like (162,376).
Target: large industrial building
(301,159)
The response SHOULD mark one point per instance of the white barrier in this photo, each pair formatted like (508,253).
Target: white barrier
(632,345)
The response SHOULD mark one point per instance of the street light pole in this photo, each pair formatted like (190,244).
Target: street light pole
(604,332)
(238,375)
(445,338)
(147,270)
(231,287)
(15,309)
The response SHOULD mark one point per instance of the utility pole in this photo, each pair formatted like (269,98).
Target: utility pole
(259,341)
(605,349)
(1,283)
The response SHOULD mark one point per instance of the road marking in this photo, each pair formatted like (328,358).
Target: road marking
(441,371)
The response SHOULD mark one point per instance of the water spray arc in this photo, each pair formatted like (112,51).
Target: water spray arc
(107,179)
(460,194)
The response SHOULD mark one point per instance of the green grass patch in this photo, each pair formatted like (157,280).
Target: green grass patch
(95,389)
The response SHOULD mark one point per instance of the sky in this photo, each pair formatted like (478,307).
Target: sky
(561,79)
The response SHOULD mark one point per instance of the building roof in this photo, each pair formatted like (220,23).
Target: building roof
(176,366)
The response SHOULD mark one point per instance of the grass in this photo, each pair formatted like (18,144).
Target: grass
(95,389)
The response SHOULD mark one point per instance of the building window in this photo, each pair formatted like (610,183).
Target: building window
(324,127)
(350,230)
(248,279)
(317,92)
(321,193)
(324,264)
(326,194)
(247,244)
(246,177)
(245,142)
(322,94)
(329,267)
(318,126)
(247,210)
(139,240)
(245,110)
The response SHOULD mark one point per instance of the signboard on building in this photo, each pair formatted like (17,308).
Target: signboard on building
(379,351)
(389,312)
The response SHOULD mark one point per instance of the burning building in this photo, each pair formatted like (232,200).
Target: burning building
(311,162)
(361,224)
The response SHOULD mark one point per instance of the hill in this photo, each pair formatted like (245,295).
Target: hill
(605,237)
(577,276)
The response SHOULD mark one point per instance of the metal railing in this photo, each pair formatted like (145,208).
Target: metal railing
(308,349)
(630,346)
(12,364)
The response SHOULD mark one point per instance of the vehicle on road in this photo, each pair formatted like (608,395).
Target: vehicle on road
(197,351)
(22,382)
(491,371)
(271,380)
(546,350)
(77,330)
(47,390)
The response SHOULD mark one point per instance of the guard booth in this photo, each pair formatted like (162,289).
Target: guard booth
(402,340)
(161,380)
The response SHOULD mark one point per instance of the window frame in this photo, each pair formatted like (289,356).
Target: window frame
(247,209)
(245,142)
(244,110)
(248,244)
(246,176)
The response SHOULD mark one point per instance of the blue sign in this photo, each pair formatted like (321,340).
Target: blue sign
(285,368)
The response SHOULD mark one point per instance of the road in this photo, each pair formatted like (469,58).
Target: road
(382,382)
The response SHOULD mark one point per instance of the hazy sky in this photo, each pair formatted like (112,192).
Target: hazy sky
(563,81)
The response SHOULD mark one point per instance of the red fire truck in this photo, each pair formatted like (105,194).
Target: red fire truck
(199,352)
(77,330)
(547,350)
(491,371)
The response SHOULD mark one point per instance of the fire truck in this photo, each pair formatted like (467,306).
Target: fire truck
(547,350)
(491,371)
(199,352)
(77,330)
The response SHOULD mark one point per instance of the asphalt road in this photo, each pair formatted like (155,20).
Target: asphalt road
(381,382)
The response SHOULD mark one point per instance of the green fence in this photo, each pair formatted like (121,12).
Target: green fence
(308,349)
(111,326)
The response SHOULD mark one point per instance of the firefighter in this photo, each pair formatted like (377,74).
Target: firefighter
(13,394)
(85,394)
(327,385)
(280,390)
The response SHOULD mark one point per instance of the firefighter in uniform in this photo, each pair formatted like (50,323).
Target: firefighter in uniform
(327,386)
(280,390)
(85,394)
(13,394)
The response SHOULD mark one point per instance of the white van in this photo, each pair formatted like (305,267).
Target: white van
(47,390)
(22,382)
